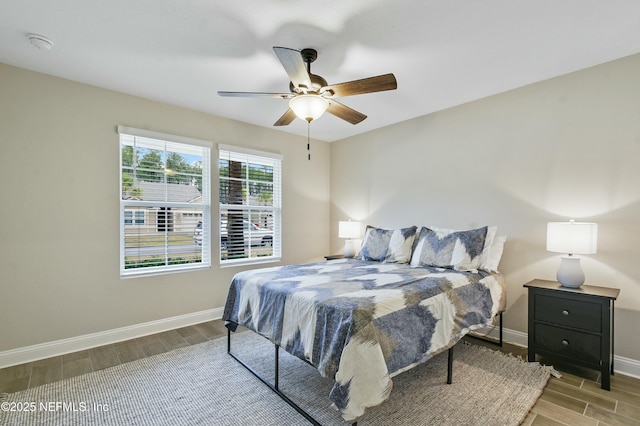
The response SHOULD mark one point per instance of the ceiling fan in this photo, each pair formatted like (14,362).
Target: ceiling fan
(310,94)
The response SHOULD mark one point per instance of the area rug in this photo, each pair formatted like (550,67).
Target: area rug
(202,385)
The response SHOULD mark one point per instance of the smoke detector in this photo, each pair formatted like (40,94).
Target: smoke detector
(41,42)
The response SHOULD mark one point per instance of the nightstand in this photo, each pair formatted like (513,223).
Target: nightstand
(573,325)
(334,256)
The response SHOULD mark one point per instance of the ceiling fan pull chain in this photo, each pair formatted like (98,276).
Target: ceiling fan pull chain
(309,140)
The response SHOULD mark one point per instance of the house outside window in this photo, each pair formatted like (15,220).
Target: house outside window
(164,203)
(250,206)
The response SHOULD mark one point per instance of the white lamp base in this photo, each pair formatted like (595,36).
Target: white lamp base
(349,248)
(570,273)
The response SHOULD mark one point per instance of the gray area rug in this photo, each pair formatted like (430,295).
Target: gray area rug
(202,385)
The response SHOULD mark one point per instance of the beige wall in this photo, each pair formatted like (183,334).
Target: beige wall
(59,275)
(563,148)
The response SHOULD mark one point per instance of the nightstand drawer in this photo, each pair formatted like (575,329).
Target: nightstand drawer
(569,343)
(569,313)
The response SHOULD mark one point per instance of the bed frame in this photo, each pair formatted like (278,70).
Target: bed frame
(485,338)
(275,387)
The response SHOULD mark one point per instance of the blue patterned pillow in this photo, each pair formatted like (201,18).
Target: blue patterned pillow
(444,248)
(387,245)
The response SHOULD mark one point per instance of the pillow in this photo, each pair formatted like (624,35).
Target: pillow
(445,248)
(491,233)
(387,245)
(488,242)
(492,260)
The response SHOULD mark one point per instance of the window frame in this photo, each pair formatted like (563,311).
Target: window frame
(185,209)
(268,158)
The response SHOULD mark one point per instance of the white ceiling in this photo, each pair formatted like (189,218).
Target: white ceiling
(442,52)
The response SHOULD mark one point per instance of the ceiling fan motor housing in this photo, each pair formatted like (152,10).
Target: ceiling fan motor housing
(317,83)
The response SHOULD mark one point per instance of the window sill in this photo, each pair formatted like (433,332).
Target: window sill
(141,272)
(244,262)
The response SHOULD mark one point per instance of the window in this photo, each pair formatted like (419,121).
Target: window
(134,217)
(250,206)
(165,207)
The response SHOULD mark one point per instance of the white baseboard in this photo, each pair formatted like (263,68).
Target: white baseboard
(626,366)
(622,365)
(510,336)
(88,341)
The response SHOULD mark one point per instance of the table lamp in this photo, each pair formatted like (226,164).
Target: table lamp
(571,238)
(349,230)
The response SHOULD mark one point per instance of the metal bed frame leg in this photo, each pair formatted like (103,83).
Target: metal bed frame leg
(275,388)
(276,367)
(500,329)
(450,366)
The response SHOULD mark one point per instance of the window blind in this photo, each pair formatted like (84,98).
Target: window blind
(165,205)
(250,206)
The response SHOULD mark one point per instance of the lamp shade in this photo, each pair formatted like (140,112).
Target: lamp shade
(572,237)
(308,107)
(348,229)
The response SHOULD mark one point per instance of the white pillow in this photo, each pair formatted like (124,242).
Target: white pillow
(488,242)
(490,264)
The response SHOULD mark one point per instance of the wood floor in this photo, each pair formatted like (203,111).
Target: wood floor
(573,399)
(577,399)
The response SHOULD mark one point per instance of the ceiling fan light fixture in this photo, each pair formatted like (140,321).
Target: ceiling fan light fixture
(308,107)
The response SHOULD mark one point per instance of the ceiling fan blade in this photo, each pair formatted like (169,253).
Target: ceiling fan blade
(344,112)
(286,118)
(295,67)
(379,83)
(256,95)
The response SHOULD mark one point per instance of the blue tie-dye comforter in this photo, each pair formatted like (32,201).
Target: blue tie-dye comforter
(360,323)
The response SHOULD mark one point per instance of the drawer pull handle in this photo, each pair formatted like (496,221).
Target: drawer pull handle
(565,342)
(565,312)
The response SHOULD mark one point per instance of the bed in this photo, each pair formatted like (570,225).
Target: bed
(362,321)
